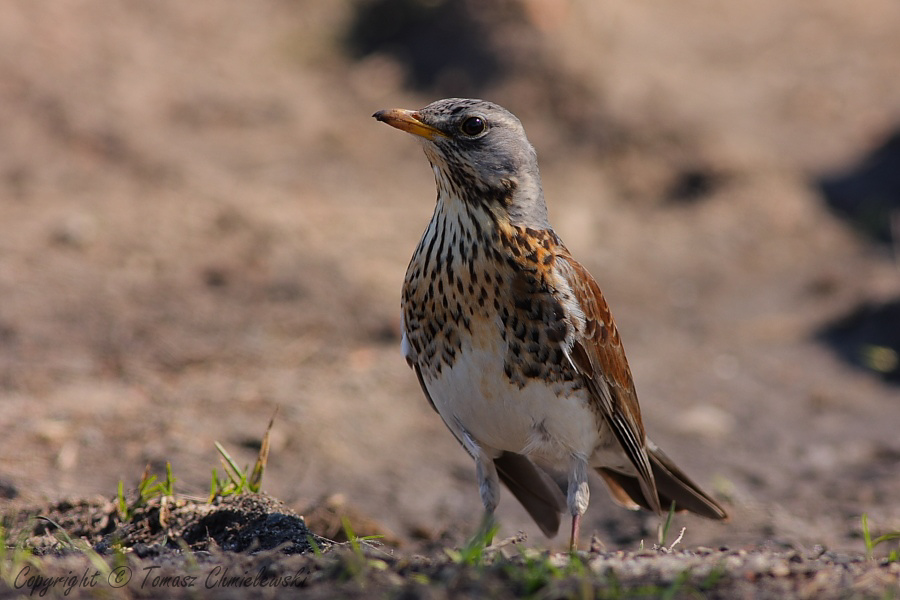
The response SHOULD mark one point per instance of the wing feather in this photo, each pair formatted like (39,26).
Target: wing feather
(597,354)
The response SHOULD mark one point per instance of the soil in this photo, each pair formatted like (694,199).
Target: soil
(252,546)
(200,222)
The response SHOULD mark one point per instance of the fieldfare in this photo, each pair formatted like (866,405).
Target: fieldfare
(511,338)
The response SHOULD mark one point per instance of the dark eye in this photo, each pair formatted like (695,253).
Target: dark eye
(473,126)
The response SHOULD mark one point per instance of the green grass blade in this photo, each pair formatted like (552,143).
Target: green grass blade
(867,537)
(664,529)
(229,462)
(255,480)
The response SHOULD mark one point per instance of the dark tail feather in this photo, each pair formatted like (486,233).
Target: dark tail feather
(672,486)
(534,489)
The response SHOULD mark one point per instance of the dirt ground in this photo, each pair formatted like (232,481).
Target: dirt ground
(252,546)
(199,221)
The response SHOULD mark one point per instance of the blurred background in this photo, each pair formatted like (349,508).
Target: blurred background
(200,221)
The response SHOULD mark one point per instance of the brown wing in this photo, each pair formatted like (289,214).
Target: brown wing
(673,484)
(597,354)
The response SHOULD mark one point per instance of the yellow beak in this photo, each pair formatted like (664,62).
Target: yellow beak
(408,120)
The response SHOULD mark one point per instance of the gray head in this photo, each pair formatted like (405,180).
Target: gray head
(480,155)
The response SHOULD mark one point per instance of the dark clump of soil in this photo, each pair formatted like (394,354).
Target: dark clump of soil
(248,523)
(239,523)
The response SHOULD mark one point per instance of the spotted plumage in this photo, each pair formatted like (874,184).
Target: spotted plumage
(511,338)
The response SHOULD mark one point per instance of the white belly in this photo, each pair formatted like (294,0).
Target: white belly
(475,397)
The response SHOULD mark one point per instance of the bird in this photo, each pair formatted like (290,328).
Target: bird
(511,339)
